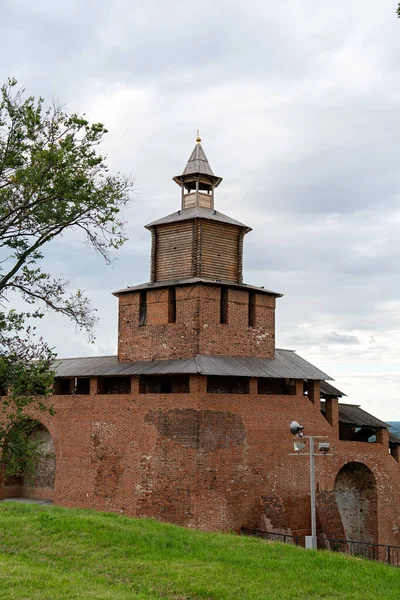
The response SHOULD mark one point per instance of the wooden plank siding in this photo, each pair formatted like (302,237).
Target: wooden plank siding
(202,200)
(197,248)
(173,251)
(220,245)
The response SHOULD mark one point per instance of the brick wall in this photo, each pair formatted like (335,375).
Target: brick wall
(212,461)
(197,329)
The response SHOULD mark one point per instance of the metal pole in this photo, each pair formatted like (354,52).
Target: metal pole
(312,486)
(311,540)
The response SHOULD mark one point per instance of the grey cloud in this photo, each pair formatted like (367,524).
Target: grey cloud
(338,338)
(297,104)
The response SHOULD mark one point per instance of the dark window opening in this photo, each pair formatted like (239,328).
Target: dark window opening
(164,384)
(63,387)
(71,385)
(143,308)
(82,385)
(171,305)
(252,309)
(224,306)
(350,433)
(323,409)
(228,385)
(310,390)
(278,387)
(113,385)
(394,451)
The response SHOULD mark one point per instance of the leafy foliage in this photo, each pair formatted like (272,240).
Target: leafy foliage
(52,180)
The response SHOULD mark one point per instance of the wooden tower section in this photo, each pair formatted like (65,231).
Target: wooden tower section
(197,241)
(196,302)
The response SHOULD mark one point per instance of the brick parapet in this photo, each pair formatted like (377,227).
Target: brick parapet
(197,329)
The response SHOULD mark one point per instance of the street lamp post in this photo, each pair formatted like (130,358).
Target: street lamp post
(311,541)
(297,429)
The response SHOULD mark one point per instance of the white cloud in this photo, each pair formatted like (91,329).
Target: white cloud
(297,104)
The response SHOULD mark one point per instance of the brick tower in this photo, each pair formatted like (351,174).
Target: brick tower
(190,422)
(196,302)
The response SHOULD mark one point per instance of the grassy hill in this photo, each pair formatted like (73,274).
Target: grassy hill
(50,553)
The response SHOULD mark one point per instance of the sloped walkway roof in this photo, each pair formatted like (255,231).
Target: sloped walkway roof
(329,390)
(286,364)
(352,414)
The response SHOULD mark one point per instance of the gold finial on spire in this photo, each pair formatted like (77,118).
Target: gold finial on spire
(198,139)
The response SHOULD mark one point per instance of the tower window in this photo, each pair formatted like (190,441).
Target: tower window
(224,306)
(164,384)
(221,384)
(143,308)
(252,309)
(171,305)
(276,387)
(113,385)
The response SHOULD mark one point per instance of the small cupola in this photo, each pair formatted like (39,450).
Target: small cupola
(198,180)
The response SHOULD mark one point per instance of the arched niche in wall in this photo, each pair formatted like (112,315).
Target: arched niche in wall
(356,498)
(38,480)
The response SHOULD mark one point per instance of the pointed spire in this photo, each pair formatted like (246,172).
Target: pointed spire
(198,162)
(198,171)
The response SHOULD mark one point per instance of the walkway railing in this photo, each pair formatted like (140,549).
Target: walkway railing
(380,552)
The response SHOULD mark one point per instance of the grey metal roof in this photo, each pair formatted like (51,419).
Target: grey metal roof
(197,212)
(198,162)
(329,390)
(352,414)
(110,365)
(193,280)
(286,364)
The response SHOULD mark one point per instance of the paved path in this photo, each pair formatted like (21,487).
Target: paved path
(27,500)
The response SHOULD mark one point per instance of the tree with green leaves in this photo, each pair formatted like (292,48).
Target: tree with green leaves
(52,180)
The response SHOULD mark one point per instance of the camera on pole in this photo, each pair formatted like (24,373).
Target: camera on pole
(296,429)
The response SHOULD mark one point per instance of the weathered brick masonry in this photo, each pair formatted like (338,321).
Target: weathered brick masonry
(197,329)
(189,424)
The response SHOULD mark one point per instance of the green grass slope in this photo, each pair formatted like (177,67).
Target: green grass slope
(50,553)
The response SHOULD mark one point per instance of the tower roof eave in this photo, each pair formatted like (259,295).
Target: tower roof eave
(183,179)
(197,212)
(194,281)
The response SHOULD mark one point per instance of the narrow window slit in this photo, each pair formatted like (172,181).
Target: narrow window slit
(171,305)
(252,309)
(224,306)
(143,308)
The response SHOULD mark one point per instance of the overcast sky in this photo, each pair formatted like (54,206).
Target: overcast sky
(298,107)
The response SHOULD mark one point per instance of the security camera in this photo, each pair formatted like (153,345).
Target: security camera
(296,429)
